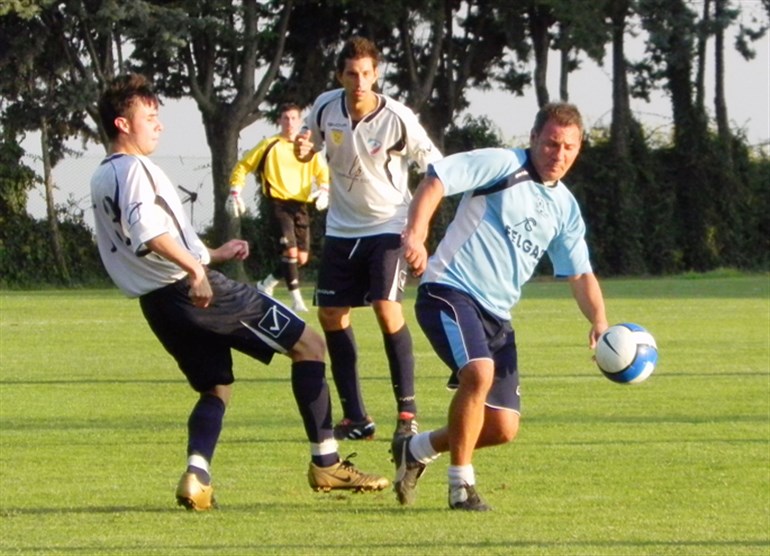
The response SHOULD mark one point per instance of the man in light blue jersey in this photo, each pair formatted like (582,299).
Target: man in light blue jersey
(514,210)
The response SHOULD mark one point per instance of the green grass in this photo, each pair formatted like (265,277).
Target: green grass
(93,429)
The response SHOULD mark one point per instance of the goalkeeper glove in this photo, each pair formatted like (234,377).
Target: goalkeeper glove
(234,205)
(321,197)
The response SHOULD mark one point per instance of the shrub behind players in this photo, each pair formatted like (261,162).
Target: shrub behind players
(514,210)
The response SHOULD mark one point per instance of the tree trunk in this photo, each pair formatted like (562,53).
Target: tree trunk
(53,223)
(222,130)
(720,103)
(621,109)
(539,22)
(700,76)
(693,181)
(627,211)
(564,69)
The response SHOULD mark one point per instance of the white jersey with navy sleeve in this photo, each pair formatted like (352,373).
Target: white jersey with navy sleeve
(368,163)
(505,222)
(134,202)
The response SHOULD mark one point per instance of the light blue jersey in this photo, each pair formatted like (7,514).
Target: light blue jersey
(506,221)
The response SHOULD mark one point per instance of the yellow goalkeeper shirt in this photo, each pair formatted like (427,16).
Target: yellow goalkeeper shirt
(282,176)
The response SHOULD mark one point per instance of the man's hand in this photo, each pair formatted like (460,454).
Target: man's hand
(303,146)
(415,253)
(234,206)
(200,290)
(588,294)
(426,199)
(237,249)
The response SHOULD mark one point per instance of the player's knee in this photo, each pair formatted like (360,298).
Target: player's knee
(333,318)
(222,391)
(309,347)
(476,377)
(390,315)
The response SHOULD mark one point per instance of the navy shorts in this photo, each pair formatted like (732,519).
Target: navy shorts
(239,317)
(291,217)
(356,271)
(461,331)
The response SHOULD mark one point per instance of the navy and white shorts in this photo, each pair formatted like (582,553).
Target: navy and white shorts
(356,271)
(239,317)
(461,331)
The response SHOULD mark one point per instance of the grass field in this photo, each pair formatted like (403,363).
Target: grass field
(93,430)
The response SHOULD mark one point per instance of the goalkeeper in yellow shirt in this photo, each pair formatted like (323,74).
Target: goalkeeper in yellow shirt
(288,186)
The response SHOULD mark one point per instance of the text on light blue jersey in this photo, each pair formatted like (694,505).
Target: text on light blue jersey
(505,222)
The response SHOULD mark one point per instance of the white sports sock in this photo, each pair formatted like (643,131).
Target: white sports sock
(460,475)
(421,448)
(325,447)
(196,460)
(296,295)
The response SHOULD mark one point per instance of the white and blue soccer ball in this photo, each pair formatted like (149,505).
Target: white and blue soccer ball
(626,353)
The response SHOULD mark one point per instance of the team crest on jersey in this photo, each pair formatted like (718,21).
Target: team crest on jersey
(374,146)
(274,322)
(337,137)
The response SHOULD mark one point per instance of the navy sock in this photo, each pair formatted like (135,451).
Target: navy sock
(325,460)
(342,354)
(312,395)
(398,348)
(203,428)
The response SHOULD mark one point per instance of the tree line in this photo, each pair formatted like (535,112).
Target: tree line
(695,201)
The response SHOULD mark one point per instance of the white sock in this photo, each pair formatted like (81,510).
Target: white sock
(323,448)
(460,475)
(296,295)
(421,448)
(196,460)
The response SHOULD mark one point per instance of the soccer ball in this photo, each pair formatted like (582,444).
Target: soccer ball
(626,353)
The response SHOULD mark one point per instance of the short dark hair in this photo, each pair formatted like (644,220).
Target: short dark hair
(286,106)
(357,47)
(562,113)
(119,98)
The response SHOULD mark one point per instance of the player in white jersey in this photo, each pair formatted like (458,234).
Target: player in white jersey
(199,315)
(369,140)
(514,210)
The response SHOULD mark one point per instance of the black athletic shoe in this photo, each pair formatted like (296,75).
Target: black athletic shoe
(406,425)
(350,430)
(407,471)
(466,498)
